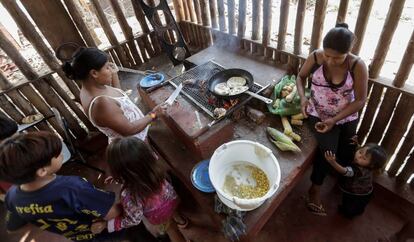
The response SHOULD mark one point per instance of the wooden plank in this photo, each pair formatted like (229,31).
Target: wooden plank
(198,11)
(242,18)
(148,46)
(29,31)
(267,22)
(205,13)
(179,9)
(231,16)
(283,22)
(110,33)
(7,35)
(300,18)
(372,105)
(390,25)
(17,98)
(407,171)
(80,24)
(54,101)
(343,7)
(155,43)
(193,15)
(61,23)
(256,18)
(403,152)
(318,21)
(406,64)
(222,17)
(141,46)
(361,24)
(11,110)
(115,57)
(213,13)
(398,125)
(139,14)
(383,116)
(127,31)
(186,10)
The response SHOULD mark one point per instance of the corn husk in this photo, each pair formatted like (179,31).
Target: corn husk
(298,116)
(295,136)
(296,122)
(282,141)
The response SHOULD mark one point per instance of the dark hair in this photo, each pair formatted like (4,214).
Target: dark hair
(133,163)
(84,60)
(22,155)
(339,38)
(8,127)
(378,156)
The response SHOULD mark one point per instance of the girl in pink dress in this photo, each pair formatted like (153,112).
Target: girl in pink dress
(146,194)
(339,81)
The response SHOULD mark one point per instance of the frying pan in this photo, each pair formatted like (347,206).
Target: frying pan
(225,75)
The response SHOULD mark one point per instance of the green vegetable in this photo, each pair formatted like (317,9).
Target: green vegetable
(282,141)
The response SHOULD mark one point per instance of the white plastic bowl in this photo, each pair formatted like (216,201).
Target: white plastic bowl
(232,153)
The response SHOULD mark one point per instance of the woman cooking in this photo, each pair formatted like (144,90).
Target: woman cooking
(106,105)
(338,91)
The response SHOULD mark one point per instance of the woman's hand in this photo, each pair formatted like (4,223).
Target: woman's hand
(160,109)
(330,157)
(304,105)
(98,227)
(325,126)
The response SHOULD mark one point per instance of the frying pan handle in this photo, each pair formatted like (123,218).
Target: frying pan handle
(261,98)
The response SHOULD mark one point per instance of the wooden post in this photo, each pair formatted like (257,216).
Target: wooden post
(139,14)
(231,18)
(222,17)
(213,13)
(18,100)
(391,22)
(257,19)
(267,22)
(343,7)
(9,36)
(198,11)
(77,18)
(300,17)
(191,8)
(406,64)
(186,10)
(407,171)
(29,31)
(10,109)
(110,33)
(127,30)
(361,24)
(283,21)
(179,10)
(205,15)
(403,152)
(320,12)
(242,18)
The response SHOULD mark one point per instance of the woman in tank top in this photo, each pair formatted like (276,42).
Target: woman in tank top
(339,83)
(107,106)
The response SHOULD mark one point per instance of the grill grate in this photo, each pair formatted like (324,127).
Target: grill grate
(198,92)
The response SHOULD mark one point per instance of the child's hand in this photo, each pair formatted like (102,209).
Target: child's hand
(330,156)
(98,227)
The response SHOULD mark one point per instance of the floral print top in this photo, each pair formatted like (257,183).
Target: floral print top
(328,99)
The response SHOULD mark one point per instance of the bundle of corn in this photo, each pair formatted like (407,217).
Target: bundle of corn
(282,141)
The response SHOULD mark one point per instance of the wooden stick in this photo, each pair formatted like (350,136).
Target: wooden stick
(257,19)
(213,13)
(186,11)
(222,16)
(390,25)
(320,11)
(17,98)
(11,110)
(179,9)
(361,24)
(191,8)
(267,21)
(300,17)
(127,30)
(139,14)
(283,22)
(205,15)
(242,18)
(231,17)
(406,64)
(343,7)
(77,18)
(29,31)
(110,33)
(407,171)
(198,11)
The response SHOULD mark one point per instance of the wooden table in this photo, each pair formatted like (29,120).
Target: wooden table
(182,161)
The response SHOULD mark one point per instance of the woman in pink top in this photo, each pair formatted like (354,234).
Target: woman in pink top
(339,81)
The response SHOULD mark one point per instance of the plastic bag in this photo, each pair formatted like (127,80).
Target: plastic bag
(285,108)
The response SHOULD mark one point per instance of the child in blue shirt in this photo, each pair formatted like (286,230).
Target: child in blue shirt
(66,205)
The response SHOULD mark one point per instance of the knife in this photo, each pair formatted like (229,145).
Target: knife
(174,95)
